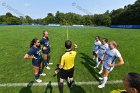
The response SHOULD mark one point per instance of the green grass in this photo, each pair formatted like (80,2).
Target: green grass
(14,43)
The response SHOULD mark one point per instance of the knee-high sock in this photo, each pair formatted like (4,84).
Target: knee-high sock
(71,82)
(49,58)
(46,62)
(36,76)
(104,80)
(40,71)
(101,67)
(98,64)
(97,60)
(61,87)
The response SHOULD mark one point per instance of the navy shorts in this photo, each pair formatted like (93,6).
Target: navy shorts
(36,62)
(46,51)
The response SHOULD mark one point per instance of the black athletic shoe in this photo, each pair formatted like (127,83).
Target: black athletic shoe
(71,84)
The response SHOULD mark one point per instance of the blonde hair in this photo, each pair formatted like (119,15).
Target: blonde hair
(114,44)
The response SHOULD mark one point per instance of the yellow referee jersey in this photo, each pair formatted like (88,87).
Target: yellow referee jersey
(67,60)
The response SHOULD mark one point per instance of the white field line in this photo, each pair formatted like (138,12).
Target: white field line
(67,33)
(55,84)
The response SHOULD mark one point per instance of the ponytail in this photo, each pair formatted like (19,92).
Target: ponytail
(98,37)
(33,41)
(115,44)
(105,39)
(44,33)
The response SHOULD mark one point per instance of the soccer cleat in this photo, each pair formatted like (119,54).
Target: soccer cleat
(43,74)
(38,80)
(101,72)
(70,84)
(50,64)
(101,86)
(48,67)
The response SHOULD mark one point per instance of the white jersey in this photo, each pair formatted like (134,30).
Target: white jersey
(102,50)
(110,58)
(96,45)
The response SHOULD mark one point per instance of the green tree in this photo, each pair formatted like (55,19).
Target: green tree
(13,21)
(50,19)
(28,20)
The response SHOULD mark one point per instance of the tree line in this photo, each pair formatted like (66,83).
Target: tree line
(129,15)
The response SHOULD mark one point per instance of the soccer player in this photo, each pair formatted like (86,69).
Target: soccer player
(109,62)
(97,44)
(132,83)
(101,53)
(46,49)
(35,54)
(67,65)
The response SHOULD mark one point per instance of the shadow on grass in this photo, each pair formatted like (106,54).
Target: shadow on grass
(27,89)
(74,89)
(89,64)
(58,76)
(77,89)
(49,88)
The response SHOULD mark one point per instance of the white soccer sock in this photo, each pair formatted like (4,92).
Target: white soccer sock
(97,60)
(101,67)
(93,57)
(104,80)
(98,64)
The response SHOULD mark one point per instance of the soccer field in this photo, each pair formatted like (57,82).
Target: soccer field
(14,43)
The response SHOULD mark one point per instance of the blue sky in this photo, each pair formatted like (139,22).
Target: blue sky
(40,8)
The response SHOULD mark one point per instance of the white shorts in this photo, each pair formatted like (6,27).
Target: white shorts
(107,67)
(100,55)
(96,51)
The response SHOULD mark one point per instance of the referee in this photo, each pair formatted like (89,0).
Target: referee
(67,65)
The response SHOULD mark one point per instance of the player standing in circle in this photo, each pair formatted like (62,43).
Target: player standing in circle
(109,62)
(97,44)
(101,53)
(46,49)
(35,54)
(67,65)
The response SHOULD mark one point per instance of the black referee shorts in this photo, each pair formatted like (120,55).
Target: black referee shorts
(64,74)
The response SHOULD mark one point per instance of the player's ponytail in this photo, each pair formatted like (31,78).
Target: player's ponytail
(33,41)
(98,37)
(105,39)
(44,33)
(114,44)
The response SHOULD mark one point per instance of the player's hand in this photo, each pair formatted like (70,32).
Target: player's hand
(44,48)
(111,65)
(56,71)
(75,45)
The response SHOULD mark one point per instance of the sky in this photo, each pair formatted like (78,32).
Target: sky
(40,9)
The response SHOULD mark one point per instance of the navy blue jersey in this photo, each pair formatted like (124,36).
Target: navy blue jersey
(45,42)
(35,52)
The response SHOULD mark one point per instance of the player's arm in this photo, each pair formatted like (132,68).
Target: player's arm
(120,59)
(27,56)
(60,66)
(42,45)
(121,62)
(75,47)
(104,54)
(62,62)
(44,48)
